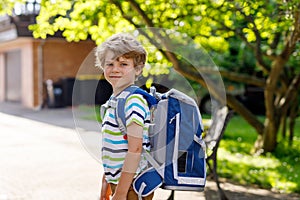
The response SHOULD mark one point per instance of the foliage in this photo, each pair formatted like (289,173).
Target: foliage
(208,22)
(6,6)
(256,39)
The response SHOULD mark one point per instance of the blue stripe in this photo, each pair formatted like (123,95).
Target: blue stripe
(111,115)
(138,114)
(136,105)
(115,142)
(110,124)
(145,137)
(113,166)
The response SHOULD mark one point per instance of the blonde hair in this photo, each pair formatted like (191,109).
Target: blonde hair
(121,44)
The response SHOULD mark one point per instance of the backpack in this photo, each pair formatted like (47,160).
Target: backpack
(177,152)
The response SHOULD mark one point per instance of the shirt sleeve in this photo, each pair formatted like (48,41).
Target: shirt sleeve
(136,109)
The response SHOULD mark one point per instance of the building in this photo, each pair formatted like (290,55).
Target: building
(27,63)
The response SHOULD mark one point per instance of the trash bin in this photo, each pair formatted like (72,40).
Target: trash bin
(67,88)
(54,94)
(103,92)
(87,88)
(91,90)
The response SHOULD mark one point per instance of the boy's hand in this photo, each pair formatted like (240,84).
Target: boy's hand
(105,190)
(119,197)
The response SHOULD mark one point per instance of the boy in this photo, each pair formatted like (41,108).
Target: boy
(122,59)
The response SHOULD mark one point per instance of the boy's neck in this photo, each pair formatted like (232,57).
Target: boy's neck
(117,91)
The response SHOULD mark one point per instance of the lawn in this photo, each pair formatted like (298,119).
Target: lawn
(278,171)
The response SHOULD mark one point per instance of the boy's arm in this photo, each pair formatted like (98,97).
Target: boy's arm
(132,160)
(104,189)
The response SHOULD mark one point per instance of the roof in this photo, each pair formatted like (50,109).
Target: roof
(8,30)
(12,27)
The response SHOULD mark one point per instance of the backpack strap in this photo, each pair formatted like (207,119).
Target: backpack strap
(121,119)
(121,100)
(111,103)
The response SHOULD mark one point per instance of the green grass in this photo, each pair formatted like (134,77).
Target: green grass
(278,171)
(91,112)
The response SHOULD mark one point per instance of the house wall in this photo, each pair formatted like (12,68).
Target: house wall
(13,72)
(24,45)
(53,58)
(2,77)
(62,59)
(27,75)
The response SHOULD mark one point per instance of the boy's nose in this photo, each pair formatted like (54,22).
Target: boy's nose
(115,67)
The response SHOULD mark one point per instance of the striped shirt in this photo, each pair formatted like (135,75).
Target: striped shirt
(115,145)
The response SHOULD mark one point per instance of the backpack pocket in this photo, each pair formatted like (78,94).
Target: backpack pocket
(147,182)
(187,170)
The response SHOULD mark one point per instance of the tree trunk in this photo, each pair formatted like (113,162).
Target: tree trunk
(293,115)
(272,118)
(283,123)
(270,136)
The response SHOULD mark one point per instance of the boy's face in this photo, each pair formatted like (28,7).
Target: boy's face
(120,72)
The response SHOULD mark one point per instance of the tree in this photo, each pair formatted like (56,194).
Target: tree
(270,29)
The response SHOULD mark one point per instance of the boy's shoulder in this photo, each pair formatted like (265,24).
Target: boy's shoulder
(136,93)
(136,98)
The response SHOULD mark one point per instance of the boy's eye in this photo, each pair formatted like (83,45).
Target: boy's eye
(124,64)
(108,64)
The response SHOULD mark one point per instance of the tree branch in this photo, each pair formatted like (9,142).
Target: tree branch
(231,100)
(136,6)
(243,78)
(294,36)
(238,31)
(291,93)
(258,51)
(148,21)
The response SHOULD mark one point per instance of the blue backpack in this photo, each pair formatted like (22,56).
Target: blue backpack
(177,152)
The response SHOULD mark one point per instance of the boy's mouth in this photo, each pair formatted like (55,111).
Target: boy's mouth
(114,76)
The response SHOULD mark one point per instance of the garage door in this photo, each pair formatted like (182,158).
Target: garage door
(13,76)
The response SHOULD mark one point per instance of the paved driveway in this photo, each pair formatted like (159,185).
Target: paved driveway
(42,161)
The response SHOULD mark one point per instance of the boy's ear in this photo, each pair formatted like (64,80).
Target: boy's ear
(138,70)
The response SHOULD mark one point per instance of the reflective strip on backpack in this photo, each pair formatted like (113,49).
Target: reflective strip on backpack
(191,180)
(176,146)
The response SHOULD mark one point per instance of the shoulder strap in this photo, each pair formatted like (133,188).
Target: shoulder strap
(111,103)
(121,100)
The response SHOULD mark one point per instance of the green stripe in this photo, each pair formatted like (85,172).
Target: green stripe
(136,97)
(137,121)
(113,159)
(113,181)
(112,132)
